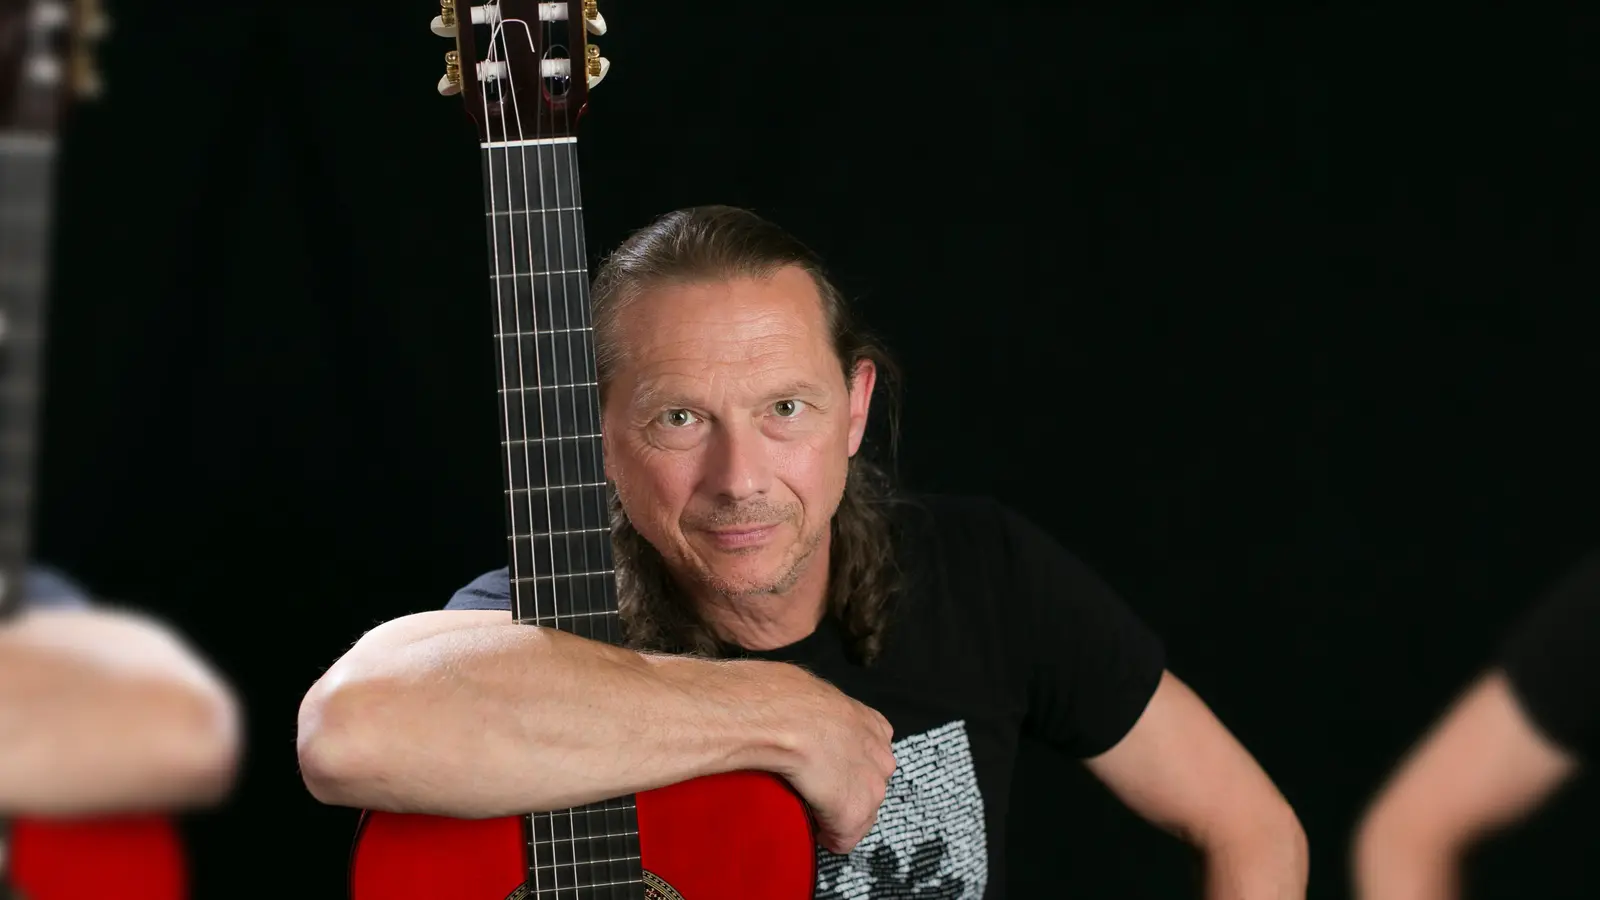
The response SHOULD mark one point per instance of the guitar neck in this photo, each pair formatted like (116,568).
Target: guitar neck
(27,163)
(559,540)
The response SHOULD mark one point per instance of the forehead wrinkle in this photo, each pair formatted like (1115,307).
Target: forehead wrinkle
(686,340)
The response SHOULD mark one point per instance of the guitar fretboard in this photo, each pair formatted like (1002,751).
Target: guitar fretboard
(27,165)
(559,536)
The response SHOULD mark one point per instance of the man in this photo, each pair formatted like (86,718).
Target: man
(1516,736)
(104,712)
(787,613)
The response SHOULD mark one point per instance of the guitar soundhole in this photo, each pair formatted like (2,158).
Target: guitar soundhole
(654,889)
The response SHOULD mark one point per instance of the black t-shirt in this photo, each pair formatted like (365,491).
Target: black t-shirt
(1000,633)
(1552,660)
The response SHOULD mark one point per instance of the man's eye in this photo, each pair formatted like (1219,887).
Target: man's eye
(677,418)
(786,408)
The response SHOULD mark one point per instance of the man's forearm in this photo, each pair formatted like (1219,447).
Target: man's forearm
(505,719)
(80,739)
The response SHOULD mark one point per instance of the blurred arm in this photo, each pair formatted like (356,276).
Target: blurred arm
(1181,769)
(1484,766)
(104,712)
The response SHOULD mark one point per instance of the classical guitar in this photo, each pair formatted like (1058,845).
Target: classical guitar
(45,63)
(524,69)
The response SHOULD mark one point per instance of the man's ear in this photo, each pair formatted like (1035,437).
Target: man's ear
(862,380)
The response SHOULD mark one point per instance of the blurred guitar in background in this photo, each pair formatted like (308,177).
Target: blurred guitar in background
(46,63)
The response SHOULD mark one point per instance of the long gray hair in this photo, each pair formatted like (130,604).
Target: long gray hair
(717,242)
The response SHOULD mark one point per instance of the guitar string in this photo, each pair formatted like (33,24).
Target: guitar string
(518,610)
(556,377)
(580,361)
(626,818)
(24,391)
(576,362)
(547,439)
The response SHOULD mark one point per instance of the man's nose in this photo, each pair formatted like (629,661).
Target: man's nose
(740,465)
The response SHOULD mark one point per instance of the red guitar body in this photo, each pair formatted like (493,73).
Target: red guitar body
(130,858)
(739,836)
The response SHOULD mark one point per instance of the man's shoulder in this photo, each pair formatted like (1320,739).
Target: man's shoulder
(491,590)
(45,587)
(971,519)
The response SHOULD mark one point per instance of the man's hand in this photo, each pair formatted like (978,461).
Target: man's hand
(842,760)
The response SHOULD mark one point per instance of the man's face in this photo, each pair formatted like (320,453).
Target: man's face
(729,427)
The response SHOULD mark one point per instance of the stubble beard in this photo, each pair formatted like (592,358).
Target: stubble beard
(782,584)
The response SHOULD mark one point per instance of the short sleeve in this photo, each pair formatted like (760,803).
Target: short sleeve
(491,590)
(1552,660)
(47,588)
(1092,664)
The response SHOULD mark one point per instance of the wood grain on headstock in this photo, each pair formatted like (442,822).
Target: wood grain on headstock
(46,60)
(532,83)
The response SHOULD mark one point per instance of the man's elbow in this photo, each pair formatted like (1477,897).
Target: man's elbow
(1393,845)
(206,745)
(1286,837)
(1264,851)
(336,753)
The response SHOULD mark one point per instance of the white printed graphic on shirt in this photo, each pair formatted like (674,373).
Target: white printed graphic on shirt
(929,841)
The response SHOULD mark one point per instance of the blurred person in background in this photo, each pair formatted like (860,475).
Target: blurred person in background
(1517,735)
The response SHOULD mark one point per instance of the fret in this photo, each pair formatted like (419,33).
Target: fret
(537,177)
(542,300)
(561,507)
(535,463)
(546,579)
(583,603)
(579,551)
(536,441)
(559,357)
(584,386)
(610,818)
(586,847)
(541,610)
(583,329)
(536,242)
(24,146)
(551,413)
(18,391)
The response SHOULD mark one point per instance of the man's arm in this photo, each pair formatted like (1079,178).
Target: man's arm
(466,714)
(104,712)
(1098,690)
(1180,768)
(1484,766)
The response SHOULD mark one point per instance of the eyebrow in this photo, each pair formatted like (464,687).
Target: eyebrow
(652,395)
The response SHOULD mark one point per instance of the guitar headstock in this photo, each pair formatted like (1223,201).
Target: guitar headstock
(47,60)
(523,67)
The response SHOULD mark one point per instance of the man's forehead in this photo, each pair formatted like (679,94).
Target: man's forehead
(730,320)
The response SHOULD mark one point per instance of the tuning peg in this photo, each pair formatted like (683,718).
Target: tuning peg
(86,81)
(596,65)
(94,24)
(444,24)
(592,19)
(450,81)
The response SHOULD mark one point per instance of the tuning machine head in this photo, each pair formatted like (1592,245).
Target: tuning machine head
(90,27)
(521,66)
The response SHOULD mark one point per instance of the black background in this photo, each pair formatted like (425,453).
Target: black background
(1282,323)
